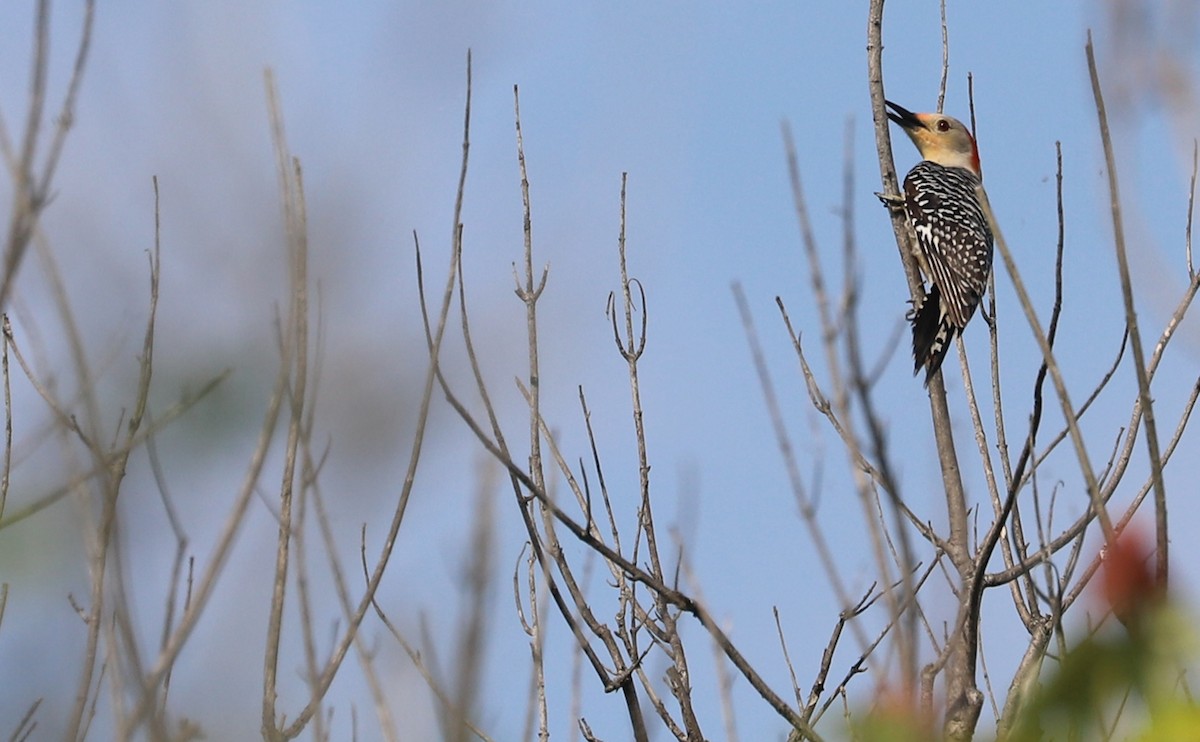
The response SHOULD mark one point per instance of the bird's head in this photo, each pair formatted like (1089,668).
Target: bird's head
(941,139)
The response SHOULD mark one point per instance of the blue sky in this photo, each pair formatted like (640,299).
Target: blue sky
(688,99)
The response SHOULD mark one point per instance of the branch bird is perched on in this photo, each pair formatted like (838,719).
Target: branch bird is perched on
(953,240)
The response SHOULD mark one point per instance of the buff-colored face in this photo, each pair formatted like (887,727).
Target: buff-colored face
(939,138)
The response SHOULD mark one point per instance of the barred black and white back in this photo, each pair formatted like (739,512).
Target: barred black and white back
(954,252)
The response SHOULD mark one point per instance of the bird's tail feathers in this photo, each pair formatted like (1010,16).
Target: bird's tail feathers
(932,333)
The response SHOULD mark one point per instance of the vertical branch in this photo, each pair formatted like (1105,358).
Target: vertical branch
(121,611)
(631,350)
(6,329)
(948,458)
(941,99)
(37,88)
(27,201)
(529,293)
(294,348)
(110,468)
(883,144)
(534,629)
(1191,204)
(304,593)
(1131,323)
(31,192)
(964,701)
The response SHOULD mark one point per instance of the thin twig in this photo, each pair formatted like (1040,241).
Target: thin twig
(1191,210)
(6,340)
(294,348)
(32,191)
(941,98)
(1131,323)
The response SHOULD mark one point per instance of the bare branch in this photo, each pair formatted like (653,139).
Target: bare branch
(1131,323)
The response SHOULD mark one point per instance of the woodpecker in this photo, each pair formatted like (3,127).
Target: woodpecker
(953,239)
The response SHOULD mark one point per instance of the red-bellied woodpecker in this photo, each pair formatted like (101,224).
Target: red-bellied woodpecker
(953,240)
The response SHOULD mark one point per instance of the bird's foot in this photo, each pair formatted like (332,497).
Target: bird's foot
(914,307)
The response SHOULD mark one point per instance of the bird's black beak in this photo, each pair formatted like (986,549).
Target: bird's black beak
(902,116)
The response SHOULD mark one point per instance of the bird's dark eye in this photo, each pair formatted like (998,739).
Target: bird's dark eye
(943,125)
